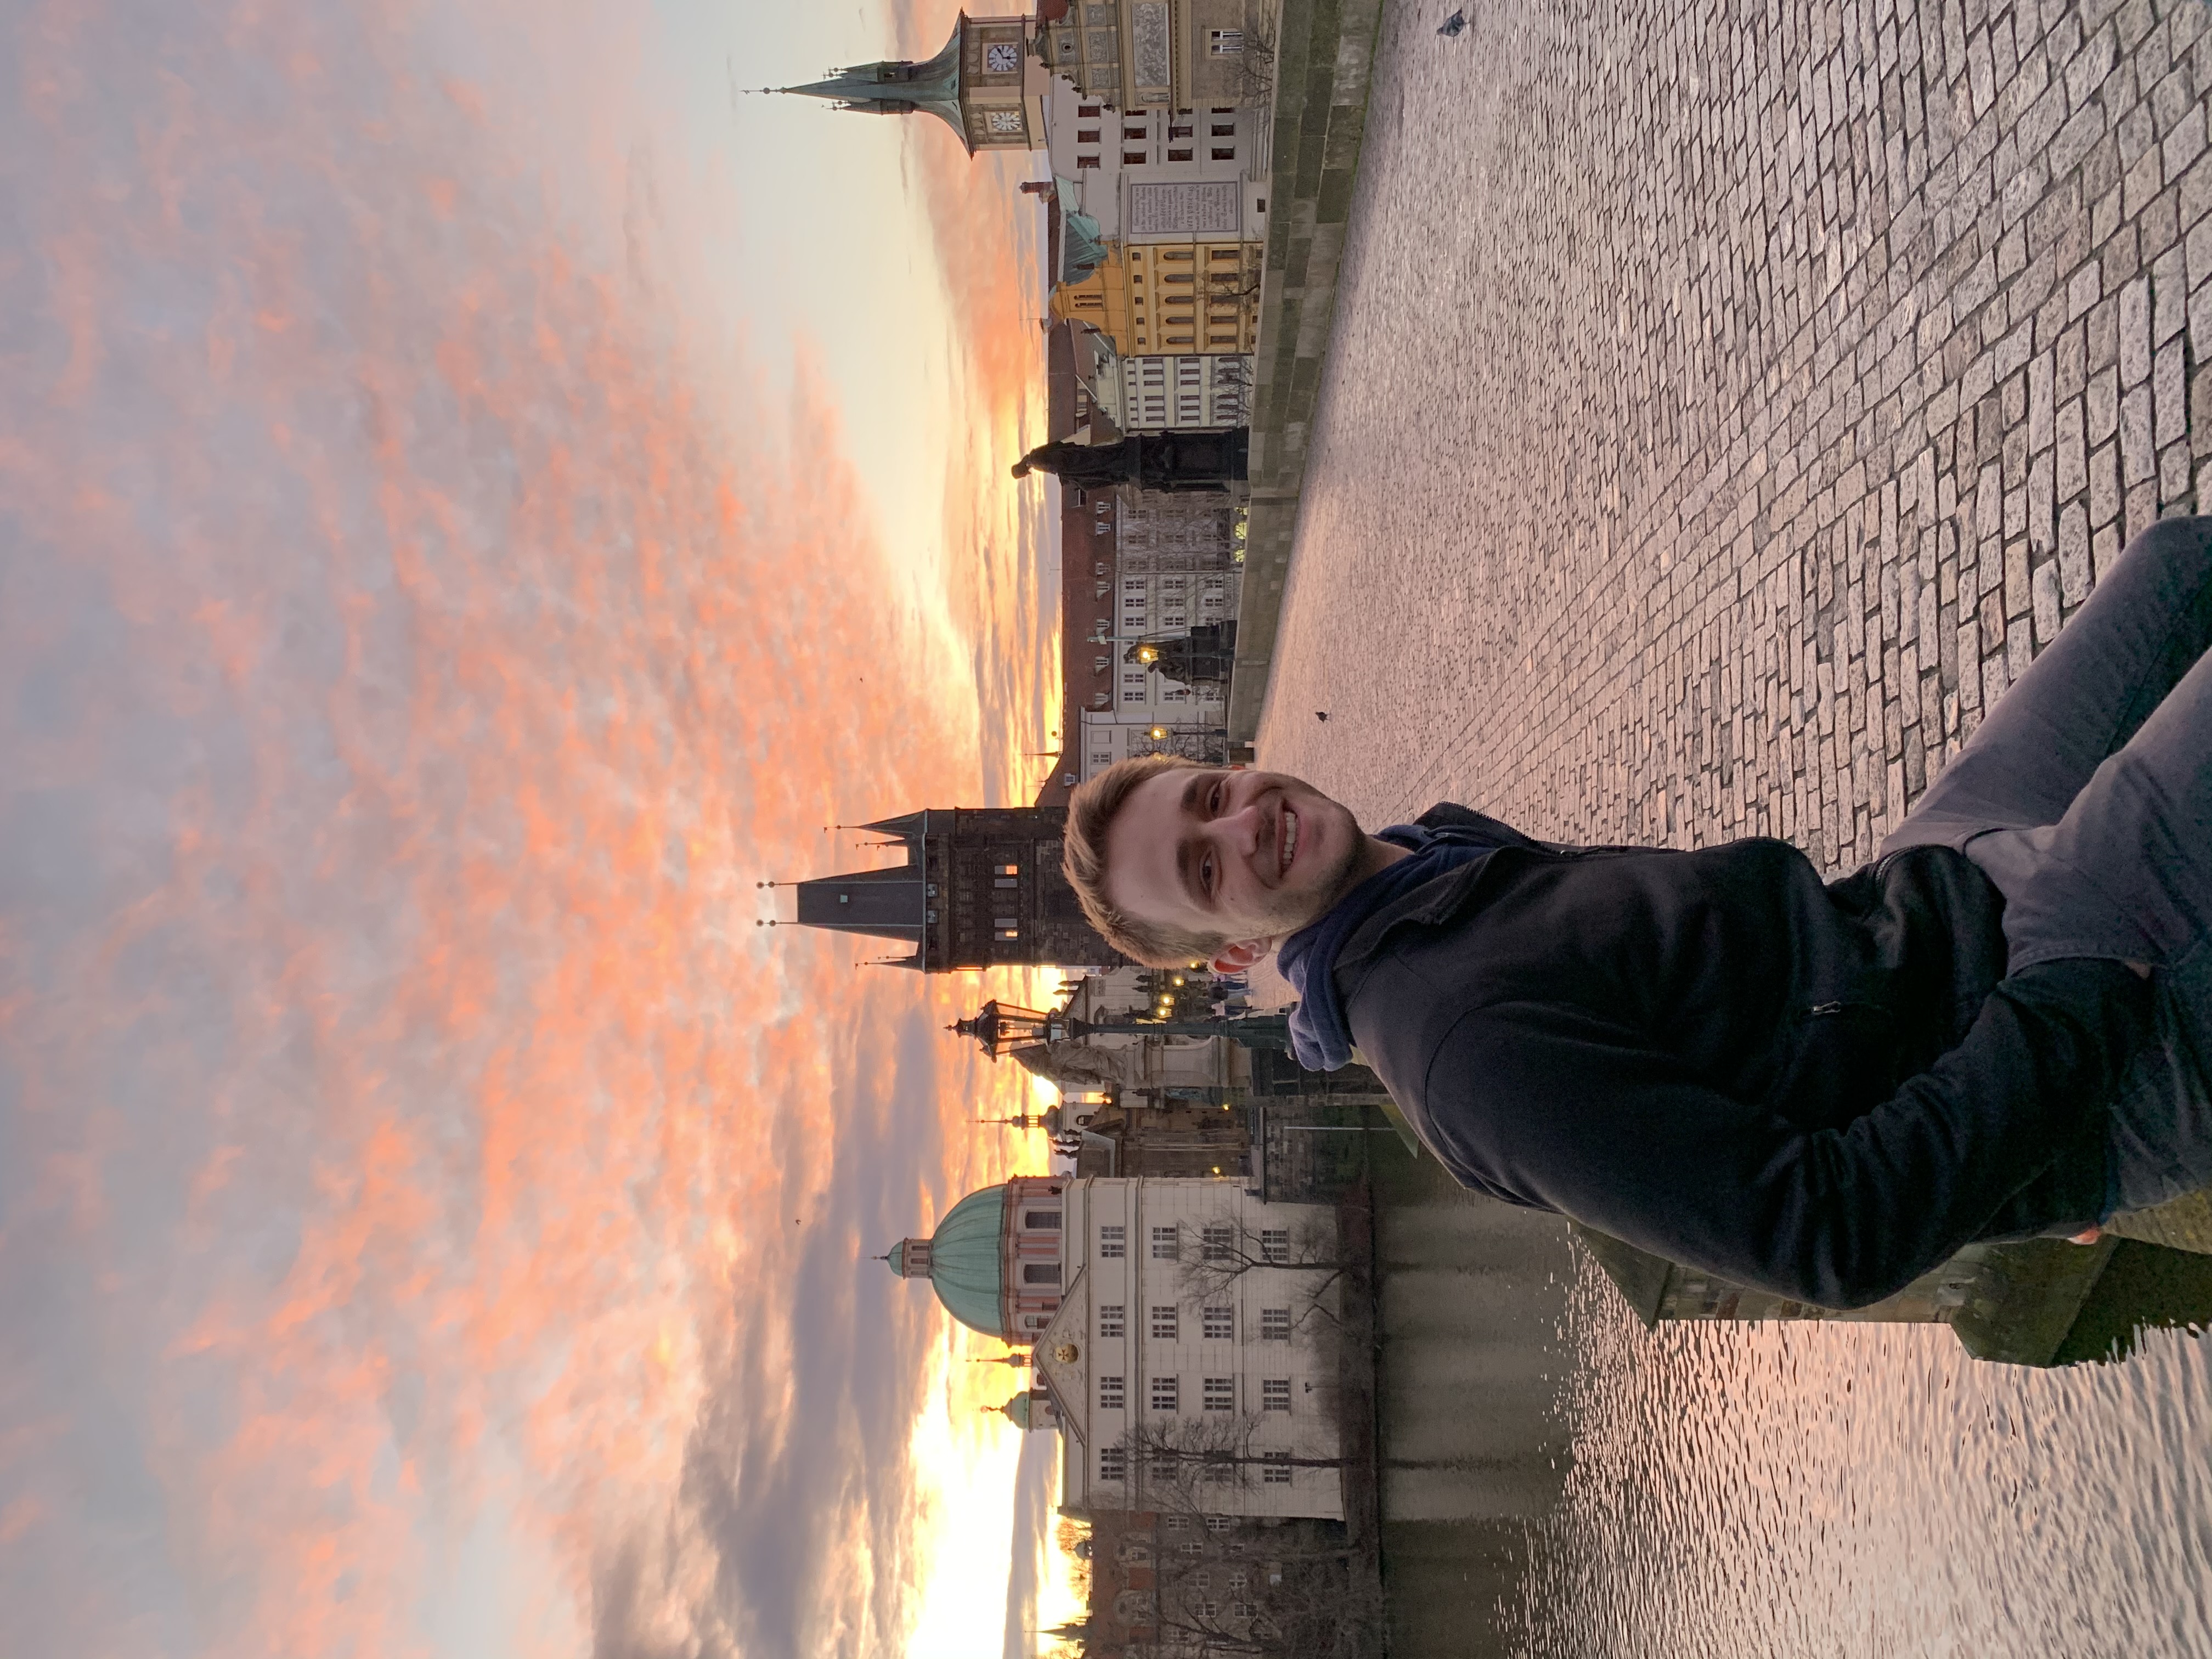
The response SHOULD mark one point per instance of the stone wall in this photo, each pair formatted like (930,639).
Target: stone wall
(1322,54)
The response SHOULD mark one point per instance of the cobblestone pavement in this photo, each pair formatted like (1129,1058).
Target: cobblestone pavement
(1729,401)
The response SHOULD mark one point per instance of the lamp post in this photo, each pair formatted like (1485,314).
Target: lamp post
(1001,1028)
(1253,1030)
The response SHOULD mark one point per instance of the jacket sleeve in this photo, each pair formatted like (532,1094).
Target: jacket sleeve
(1570,1109)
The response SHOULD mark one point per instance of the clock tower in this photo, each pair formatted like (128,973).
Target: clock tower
(988,84)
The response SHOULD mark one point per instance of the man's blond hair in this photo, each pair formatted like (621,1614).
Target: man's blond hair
(1090,813)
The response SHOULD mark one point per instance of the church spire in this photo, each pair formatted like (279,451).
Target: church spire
(979,84)
(977,887)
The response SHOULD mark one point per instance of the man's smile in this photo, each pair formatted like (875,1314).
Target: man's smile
(1290,839)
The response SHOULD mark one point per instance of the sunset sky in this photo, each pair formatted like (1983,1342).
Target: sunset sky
(476,496)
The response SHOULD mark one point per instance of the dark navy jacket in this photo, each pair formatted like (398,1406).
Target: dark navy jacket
(1817,1089)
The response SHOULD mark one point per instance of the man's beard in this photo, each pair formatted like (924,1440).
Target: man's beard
(1287,912)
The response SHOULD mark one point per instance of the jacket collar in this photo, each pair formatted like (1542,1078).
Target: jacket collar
(1449,844)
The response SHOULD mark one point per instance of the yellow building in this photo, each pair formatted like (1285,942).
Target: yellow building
(1170,299)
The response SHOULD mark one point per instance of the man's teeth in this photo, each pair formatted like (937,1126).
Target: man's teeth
(1290,838)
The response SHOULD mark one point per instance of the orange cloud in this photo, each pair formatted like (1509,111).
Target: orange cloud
(425,661)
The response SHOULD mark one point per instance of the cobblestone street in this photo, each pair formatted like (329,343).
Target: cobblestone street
(1726,404)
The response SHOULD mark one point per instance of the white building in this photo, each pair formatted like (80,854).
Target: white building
(1210,392)
(1160,175)
(1207,392)
(1179,1331)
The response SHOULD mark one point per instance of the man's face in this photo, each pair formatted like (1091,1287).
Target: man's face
(1250,855)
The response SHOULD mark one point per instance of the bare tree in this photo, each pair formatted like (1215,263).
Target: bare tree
(1266,1593)
(1311,1247)
(1186,1465)
(1251,73)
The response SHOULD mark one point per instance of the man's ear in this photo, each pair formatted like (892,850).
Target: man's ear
(1235,958)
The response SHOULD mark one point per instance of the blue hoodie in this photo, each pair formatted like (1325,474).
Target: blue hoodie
(1319,1036)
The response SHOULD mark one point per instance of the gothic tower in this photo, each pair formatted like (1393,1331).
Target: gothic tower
(988,84)
(980,887)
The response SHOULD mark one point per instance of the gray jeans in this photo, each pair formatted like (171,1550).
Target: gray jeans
(2086,796)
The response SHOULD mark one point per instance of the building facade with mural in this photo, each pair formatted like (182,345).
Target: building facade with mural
(1148,54)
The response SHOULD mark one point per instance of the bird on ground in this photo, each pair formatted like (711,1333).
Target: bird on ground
(1451,26)
(1319,715)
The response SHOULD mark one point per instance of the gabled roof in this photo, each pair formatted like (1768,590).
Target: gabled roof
(1068,1379)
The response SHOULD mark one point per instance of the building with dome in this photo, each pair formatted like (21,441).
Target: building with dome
(994,1260)
(1180,1332)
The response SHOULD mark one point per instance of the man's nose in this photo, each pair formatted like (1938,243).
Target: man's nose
(1240,831)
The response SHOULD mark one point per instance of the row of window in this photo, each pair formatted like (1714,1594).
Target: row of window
(1113,1464)
(1217,1393)
(1152,372)
(1218,1242)
(1135,1607)
(1202,1578)
(1206,1607)
(1094,111)
(1213,1523)
(1217,1324)
(1138,133)
(1188,411)
(1138,158)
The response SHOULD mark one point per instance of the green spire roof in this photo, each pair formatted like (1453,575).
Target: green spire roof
(899,87)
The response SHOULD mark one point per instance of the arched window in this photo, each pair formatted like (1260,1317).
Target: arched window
(1040,1272)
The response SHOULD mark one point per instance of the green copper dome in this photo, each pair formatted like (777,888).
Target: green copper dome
(1017,1409)
(966,1263)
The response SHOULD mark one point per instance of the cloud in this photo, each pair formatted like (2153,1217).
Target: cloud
(1035,1494)
(418,631)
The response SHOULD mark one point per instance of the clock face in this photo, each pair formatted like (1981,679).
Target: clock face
(1005,120)
(1002,59)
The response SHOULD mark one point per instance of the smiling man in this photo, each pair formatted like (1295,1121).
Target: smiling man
(2000,1028)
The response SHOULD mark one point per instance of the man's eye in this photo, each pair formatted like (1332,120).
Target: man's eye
(1205,876)
(1213,799)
